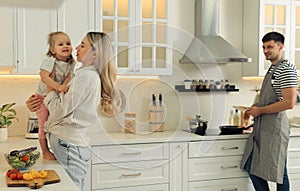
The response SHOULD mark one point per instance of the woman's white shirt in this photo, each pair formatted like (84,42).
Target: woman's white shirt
(73,113)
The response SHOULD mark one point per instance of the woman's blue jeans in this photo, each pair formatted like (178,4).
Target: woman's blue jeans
(261,184)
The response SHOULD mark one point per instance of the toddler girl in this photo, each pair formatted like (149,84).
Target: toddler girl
(56,72)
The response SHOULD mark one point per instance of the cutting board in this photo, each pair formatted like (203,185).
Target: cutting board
(52,177)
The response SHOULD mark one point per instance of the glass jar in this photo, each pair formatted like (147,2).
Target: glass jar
(206,84)
(200,84)
(226,84)
(130,124)
(212,84)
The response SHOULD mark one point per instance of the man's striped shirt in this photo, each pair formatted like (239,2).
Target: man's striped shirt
(285,76)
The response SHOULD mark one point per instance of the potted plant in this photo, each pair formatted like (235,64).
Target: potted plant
(7,114)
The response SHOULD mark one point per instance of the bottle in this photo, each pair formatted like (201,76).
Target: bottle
(236,118)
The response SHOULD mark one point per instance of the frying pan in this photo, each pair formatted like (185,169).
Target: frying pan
(232,129)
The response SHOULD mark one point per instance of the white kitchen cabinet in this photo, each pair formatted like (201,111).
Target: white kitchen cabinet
(294,163)
(130,165)
(178,166)
(7,45)
(138,29)
(295,31)
(237,184)
(159,187)
(33,26)
(76,18)
(211,164)
(259,18)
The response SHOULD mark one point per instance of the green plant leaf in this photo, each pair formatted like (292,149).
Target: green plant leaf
(7,114)
(6,107)
(13,111)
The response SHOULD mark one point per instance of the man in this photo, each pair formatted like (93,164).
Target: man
(266,150)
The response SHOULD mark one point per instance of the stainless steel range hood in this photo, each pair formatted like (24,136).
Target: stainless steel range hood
(208,46)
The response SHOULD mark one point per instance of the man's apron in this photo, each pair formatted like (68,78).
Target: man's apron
(269,139)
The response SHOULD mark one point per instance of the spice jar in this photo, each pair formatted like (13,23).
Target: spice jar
(206,84)
(200,84)
(130,123)
(212,84)
(194,83)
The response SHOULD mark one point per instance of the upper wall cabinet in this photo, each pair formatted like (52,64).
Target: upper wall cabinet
(33,26)
(295,38)
(138,29)
(24,37)
(76,18)
(259,18)
(7,39)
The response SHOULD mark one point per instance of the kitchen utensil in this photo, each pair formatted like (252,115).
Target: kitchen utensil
(22,152)
(197,125)
(160,99)
(153,99)
(51,178)
(233,129)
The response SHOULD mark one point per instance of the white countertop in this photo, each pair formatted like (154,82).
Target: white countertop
(13,143)
(112,138)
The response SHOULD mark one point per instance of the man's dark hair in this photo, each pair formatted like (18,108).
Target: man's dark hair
(277,37)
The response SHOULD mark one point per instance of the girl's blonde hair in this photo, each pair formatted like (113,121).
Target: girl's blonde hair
(51,41)
(110,96)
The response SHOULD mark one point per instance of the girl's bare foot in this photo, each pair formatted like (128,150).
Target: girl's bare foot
(49,156)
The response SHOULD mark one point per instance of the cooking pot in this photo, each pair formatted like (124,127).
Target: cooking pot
(197,125)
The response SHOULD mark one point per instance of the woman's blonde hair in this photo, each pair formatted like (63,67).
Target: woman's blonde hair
(104,62)
(51,41)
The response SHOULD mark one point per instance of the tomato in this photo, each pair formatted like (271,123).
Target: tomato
(19,176)
(8,173)
(25,158)
(13,176)
(15,170)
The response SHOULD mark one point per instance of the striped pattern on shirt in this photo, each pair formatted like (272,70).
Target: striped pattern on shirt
(285,76)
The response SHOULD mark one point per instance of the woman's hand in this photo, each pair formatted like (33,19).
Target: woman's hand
(33,103)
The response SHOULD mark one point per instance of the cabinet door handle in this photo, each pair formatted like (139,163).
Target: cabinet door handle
(234,189)
(136,174)
(230,148)
(135,153)
(228,167)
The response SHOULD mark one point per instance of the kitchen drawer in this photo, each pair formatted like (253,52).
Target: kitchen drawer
(156,187)
(216,148)
(293,162)
(236,184)
(215,168)
(129,174)
(134,152)
(294,144)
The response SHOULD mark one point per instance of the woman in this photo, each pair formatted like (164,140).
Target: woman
(73,113)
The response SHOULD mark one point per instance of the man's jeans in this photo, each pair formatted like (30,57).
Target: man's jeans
(262,185)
